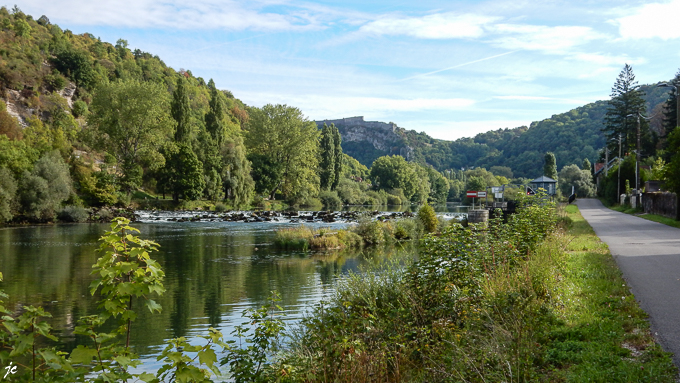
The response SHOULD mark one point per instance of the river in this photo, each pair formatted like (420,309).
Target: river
(214,271)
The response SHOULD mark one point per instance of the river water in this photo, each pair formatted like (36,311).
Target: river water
(214,271)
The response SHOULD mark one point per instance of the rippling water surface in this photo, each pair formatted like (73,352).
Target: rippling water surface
(214,270)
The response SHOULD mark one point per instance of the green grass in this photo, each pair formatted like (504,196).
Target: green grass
(651,217)
(606,336)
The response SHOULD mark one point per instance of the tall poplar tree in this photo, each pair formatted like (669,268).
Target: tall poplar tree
(327,163)
(181,111)
(213,119)
(337,141)
(550,166)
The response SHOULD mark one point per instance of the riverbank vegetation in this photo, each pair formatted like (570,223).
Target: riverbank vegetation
(537,298)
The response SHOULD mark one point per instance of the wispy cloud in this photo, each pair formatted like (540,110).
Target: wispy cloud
(176,14)
(547,39)
(658,20)
(447,25)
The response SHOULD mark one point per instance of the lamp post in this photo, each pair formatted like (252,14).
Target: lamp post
(677,99)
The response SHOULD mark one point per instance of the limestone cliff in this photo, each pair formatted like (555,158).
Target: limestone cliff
(368,140)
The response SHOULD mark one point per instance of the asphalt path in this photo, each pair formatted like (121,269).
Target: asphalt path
(648,254)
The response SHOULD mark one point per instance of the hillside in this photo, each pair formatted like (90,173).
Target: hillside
(572,136)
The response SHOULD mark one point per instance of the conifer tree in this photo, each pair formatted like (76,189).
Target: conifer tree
(670,114)
(626,100)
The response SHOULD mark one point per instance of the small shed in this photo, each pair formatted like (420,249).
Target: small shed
(546,183)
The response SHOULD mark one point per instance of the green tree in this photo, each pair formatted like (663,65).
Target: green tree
(130,121)
(213,119)
(327,163)
(503,171)
(182,174)
(286,138)
(581,179)
(672,169)
(670,112)
(339,163)
(21,28)
(236,172)
(586,165)
(393,172)
(550,166)
(77,66)
(42,191)
(181,111)
(626,99)
(8,189)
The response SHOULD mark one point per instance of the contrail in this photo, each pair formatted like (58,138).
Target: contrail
(456,66)
(228,42)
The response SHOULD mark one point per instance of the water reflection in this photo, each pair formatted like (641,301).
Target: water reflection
(214,270)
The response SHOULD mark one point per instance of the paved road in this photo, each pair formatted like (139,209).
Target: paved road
(648,254)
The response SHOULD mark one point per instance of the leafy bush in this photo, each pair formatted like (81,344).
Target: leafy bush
(407,228)
(374,232)
(330,199)
(221,207)
(73,214)
(79,108)
(428,218)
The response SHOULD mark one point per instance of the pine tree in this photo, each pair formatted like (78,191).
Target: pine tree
(670,114)
(327,164)
(627,99)
(337,141)
(181,111)
(550,166)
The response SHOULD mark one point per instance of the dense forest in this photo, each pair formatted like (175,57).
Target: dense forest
(573,136)
(87,123)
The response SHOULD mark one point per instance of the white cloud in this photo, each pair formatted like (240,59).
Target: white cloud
(436,26)
(554,40)
(175,14)
(652,20)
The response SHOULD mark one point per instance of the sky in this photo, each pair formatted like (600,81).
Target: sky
(449,68)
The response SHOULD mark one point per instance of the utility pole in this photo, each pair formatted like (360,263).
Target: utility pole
(637,157)
(618,184)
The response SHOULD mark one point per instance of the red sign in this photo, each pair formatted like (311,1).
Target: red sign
(472,194)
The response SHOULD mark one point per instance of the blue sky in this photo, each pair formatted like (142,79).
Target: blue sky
(449,68)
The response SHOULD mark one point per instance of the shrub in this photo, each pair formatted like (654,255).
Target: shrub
(376,198)
(220,206)
(407,228)
(330,199)
(73,214)
(294,238)
(79,109)
(374,232)
(428,218)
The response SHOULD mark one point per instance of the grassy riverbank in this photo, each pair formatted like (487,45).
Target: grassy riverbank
(512,302)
